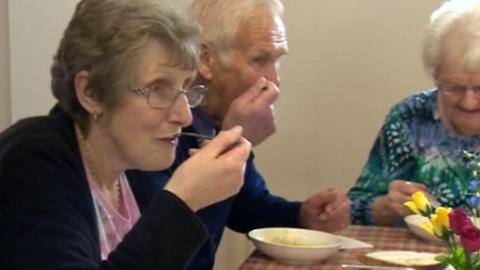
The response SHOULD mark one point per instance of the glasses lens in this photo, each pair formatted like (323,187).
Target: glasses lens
(162,96)
(453,89)
(195,95)
(456,89)
(476,90)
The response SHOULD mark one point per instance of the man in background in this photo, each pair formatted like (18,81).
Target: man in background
(241,46)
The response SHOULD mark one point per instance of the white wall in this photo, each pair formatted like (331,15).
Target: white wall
(349,62)
(35,31)
(4,68)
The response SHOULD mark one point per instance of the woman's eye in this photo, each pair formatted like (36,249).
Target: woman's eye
(457,88)
(160,86)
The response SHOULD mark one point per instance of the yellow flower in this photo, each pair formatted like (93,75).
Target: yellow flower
(419,203)
(427,226)
(442,213)
(437,226)
(440,221)
(411,205)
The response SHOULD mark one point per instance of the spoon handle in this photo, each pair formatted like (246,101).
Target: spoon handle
(195,135)
(374,267)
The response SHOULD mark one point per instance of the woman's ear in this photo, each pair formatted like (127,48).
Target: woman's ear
(206,62)
(85,95)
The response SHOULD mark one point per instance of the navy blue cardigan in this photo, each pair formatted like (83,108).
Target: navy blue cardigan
(47,218)
(253,207)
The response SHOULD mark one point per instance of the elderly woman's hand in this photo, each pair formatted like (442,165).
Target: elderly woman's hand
(389,209)
(214,173)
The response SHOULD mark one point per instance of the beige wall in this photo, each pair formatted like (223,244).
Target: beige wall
(4,68)
(349,62)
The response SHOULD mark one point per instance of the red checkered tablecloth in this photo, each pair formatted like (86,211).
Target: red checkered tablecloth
(382,238)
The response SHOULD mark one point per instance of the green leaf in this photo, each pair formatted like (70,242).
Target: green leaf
(476,265)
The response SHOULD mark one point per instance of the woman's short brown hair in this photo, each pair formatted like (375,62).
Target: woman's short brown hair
(104,37)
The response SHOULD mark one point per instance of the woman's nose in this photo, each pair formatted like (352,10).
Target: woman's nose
(180,111)
(470,99)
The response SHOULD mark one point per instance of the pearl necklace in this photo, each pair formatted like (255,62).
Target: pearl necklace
(112,196)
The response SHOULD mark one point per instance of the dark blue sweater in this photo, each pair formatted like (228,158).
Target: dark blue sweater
(253,207)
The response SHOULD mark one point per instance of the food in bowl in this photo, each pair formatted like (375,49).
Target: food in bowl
(289,237)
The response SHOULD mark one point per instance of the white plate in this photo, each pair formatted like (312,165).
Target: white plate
(351,243)
(294,245)
(414,259)
(414,221)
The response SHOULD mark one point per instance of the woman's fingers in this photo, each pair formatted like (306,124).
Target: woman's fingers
(228,143)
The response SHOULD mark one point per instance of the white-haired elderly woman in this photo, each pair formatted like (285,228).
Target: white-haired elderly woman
(74,188)
(420,146)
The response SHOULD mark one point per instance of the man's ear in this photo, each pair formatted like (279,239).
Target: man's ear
(85,95)
(206,61)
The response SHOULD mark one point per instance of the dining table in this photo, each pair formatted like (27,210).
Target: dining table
(382,238)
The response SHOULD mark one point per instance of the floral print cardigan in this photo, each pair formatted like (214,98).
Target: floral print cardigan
(413,145)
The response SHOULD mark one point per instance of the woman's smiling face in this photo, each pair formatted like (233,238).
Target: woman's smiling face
(459,110)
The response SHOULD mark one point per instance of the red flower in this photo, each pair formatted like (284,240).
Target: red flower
(459,221)
(462,225)
(471,239)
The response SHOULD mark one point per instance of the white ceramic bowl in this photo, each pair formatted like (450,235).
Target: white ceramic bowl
(294,245)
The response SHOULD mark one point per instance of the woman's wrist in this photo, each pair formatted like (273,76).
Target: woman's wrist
(182,195)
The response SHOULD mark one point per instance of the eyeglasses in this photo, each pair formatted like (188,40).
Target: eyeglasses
(163,96)
(457,90)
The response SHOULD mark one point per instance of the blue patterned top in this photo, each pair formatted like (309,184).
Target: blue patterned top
(414,145)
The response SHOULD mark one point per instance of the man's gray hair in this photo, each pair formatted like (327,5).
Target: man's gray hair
(461,17)
(221,19)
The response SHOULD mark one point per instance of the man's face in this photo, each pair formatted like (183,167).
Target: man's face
(259,45)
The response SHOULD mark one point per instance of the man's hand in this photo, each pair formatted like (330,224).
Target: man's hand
(326,211)
(254,111)
(389,209)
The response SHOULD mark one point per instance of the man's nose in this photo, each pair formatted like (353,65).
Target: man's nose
(272,74)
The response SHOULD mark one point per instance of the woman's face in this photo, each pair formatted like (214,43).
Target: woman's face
(142,137)
(459,112)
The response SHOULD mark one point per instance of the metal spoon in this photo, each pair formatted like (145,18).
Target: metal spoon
(374,267)
(195,135)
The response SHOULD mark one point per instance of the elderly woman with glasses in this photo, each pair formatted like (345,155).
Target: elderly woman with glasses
(75,191)
(420,146)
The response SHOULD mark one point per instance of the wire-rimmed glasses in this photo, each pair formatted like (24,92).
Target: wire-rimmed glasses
(457,90)
(163,96)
